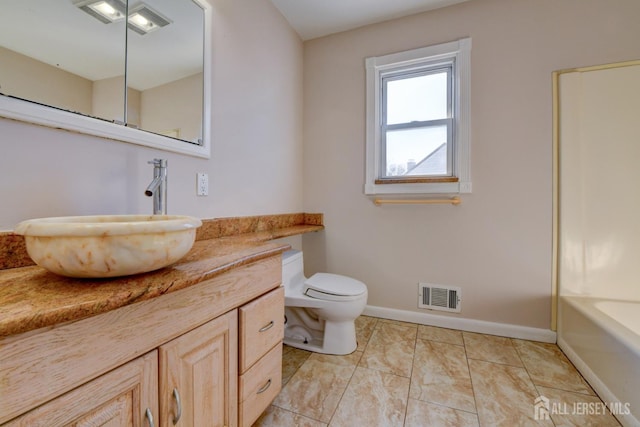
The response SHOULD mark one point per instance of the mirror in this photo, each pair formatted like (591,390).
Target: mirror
(64,64)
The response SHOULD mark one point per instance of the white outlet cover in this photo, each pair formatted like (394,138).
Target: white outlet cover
(202,184)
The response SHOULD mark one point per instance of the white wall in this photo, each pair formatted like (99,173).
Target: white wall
(256,159)
(497,245)
(599,183)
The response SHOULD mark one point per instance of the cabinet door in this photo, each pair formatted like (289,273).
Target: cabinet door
(198,376)
(116,399)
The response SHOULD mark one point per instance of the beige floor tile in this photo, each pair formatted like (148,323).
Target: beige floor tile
(277,417)
(366,322)
(390,349)
(441,375)
(292,359)
(549,367)
(315,389)
(421,414)
(399,323)
(395,359)
(504,395)
(568,409)
(433,333)
(364,329)
(491,348)
(372,399)
(391,331)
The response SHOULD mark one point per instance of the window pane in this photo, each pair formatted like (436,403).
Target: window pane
(417,98)
(417,152)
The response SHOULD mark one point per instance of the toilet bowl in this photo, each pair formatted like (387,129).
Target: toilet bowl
(320,311)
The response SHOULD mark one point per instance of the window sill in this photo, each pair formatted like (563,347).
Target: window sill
(417,188)
(408,180)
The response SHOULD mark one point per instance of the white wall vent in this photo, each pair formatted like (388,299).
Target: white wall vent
(438,297)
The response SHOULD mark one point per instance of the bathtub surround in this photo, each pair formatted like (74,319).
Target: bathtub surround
(598,230)
(604,351)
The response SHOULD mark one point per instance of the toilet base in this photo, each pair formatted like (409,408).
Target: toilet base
(337,338)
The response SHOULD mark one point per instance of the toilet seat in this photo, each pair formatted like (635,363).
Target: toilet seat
(333,287)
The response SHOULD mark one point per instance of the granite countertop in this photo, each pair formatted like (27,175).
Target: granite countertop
(32,298)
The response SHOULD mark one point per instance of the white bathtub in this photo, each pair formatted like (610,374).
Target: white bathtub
(602,339)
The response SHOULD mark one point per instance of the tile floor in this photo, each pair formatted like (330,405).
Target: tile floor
(403,374)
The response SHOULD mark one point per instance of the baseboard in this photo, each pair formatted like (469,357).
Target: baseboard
(463,324)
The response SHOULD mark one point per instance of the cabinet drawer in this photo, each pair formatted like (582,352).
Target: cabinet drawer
(261,327)
(259,386)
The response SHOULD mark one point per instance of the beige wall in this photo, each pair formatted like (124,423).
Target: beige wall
(108,98)
(256,159)
(497,244)
(27,78)
(175,105)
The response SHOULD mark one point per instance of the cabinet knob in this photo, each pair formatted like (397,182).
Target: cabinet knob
(267,327)
(149,416)
(176,396)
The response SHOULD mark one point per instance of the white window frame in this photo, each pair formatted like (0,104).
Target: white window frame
(457,52)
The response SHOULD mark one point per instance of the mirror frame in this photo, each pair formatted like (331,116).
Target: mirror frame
(31,112)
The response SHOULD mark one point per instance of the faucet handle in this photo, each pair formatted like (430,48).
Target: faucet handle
(158,162)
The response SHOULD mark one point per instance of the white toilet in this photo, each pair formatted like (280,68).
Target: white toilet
(320,311)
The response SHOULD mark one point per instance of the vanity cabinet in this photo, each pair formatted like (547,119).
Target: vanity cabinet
(173,358)
(192,376)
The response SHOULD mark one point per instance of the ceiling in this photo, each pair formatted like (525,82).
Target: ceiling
(317,18)
(73,41)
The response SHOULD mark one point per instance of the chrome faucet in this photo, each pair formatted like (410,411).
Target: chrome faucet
(158,187)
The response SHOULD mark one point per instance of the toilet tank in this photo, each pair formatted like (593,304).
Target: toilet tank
(292,267)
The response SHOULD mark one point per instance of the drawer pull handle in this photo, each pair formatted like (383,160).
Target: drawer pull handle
(264,387)
(266,328)
(176,396)
(149,416)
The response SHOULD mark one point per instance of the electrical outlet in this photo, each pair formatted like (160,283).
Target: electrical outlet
(202,184)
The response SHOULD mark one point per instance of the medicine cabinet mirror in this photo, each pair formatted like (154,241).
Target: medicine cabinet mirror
(130,70)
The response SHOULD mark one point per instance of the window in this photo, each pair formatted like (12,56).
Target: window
(418,121)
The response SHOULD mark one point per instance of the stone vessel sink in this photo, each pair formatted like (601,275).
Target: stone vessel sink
(108,245)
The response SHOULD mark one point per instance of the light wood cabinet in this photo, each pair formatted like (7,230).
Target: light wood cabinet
(120,398)
(193,376)
(260,361)
(114,368)
(261,327)
(259,386)
(198,376)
